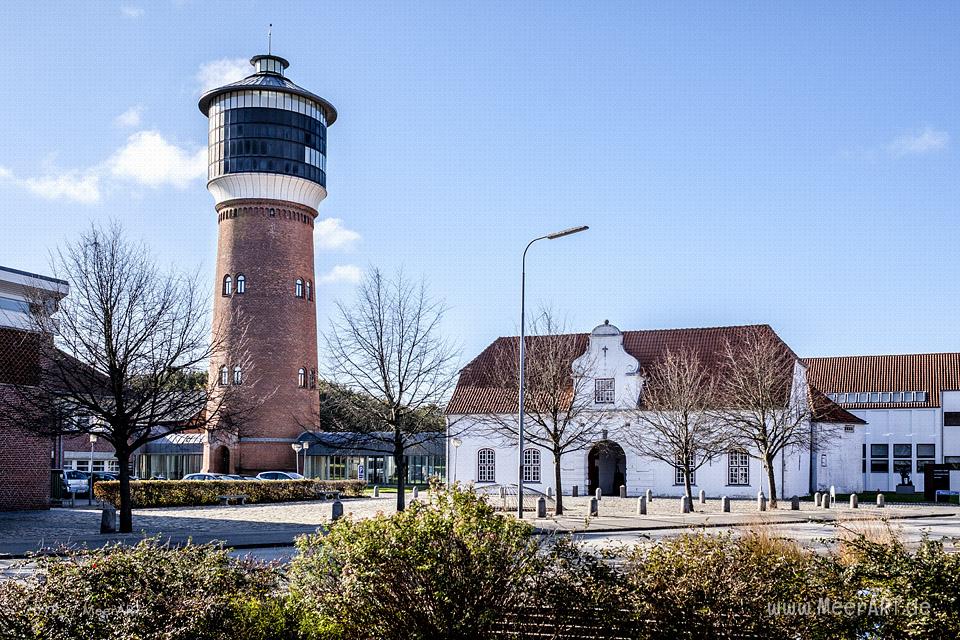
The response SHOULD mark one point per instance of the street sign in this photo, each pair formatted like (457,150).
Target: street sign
(361,472)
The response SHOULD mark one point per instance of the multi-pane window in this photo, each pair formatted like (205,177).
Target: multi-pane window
(224,376)
(738,467)
(227,285)
(604,391)
(237,375)
(241,283)
(679,473)
(531,465)
(902,458)
(486,465)
(879,458)
(302,378)
(298,288)
(926,454)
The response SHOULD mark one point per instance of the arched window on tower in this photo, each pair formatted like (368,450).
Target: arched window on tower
(302,378)
(241,283)
(227,285)
(237,375)
(224,376)
(309,290)
(298,289)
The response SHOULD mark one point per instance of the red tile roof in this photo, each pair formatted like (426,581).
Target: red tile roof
(476,391)
(930,372)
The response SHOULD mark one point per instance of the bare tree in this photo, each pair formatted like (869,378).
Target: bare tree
(763,406)
(129,349)
(674,423)
(386,349)
(560,413)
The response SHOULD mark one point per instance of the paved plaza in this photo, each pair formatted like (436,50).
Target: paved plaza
(269,525)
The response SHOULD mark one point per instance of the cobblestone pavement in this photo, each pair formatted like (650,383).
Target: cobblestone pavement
(278,524)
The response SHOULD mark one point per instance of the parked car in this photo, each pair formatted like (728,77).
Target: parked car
(201,476)
(232,476)
(77,481)
(279,475)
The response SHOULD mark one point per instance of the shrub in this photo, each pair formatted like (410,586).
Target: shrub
(444,569)
(180,493)
(146,592)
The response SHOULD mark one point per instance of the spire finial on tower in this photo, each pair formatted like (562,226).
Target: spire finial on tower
(270,39)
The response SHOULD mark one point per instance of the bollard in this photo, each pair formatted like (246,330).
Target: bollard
(817,497)
(576,490)
(833,495)
(725,504)
(649,496)
(336,511)
(795,503)
(376,491)
(703,497)
(825,502)
(416,493)
(684,504)
(881,501)
(108,519)
(642,506)
(854,503)
(594,511)
(623,491)
(599,494)
(549,492)
(541,507)
(761,501)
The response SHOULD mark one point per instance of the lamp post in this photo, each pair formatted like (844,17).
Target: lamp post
(456,442)
(523,352)
(297,448)
(93,441)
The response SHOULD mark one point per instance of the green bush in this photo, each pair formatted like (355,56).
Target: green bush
(181,493)
(147,592)
(444,569)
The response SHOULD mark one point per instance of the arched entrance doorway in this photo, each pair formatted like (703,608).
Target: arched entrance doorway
(607,468)
(221,460)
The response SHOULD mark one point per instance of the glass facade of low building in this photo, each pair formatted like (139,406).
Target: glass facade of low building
(347,456)
(169,465)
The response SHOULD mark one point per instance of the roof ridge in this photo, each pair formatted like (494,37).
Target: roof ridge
(885,355)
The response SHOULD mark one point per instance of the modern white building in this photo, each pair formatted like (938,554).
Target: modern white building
(911,404)
(617,363)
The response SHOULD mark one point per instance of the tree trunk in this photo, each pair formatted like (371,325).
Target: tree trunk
(126,506)
(401,461)
(687,487)
(771,480)
(557,485)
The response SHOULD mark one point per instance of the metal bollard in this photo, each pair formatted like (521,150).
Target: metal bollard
(703,497)
(881,501)
(376,491)
(725,504)
(594,511)
(642,506)
(541,507)
(623,491)
(336,511)
(854,502)
(795,503)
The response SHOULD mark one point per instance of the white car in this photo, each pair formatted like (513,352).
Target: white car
(76,481)
(279,475)
(201,476)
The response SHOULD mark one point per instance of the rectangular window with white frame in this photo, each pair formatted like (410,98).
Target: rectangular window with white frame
(678,471)
(531,465)
(604,391)
(486,465)
(738,468)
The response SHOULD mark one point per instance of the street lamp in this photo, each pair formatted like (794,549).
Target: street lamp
(93,441)
(523,351)
(456,442)
(297,448)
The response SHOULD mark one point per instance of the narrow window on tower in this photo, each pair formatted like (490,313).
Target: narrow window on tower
(237,375)
(227,285)
(298,289)
(309,290)
(224,376)
(241,283)
(302,378)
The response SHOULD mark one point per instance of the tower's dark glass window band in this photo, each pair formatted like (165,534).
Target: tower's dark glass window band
(268,141)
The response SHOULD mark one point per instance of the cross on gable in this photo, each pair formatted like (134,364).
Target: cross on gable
(605,352)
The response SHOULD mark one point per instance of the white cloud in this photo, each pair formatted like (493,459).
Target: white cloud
(73,185)
(342,273)
(131,11)
(224,71)
(921,142)
(331,234)
(149,159)
(129,118)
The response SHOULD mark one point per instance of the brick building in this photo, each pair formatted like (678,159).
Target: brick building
(267,162)
(25,459)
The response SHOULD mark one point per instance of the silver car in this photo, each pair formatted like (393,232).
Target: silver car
(201,476)
(76,481)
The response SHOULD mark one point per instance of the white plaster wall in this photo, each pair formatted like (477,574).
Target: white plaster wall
(839,461)
(899,426)
(950,436)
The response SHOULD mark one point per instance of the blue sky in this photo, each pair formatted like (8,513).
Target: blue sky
(788,163)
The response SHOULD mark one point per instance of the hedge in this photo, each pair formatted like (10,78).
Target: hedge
(187,493)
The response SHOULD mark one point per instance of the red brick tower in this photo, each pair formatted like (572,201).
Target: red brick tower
(267,174)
